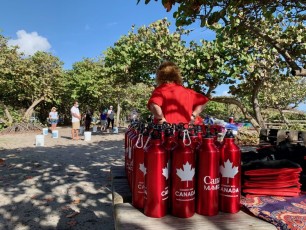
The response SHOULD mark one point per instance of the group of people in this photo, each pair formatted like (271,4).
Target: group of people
(170,102)
(106,116)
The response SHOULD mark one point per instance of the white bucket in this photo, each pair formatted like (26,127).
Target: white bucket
(87,136)
(55,134)
(40,141)
(81,130)
(45,131)
(115,130)
(94,128)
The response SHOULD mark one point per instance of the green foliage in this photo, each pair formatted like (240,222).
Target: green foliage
(136,56)
(251,54)
(216,109)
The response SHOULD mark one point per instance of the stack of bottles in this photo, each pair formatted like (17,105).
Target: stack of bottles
(182,169)
(271,178)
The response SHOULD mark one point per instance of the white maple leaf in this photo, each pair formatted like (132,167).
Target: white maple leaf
(166,171)
(143,169)
(187,173)
(228,170)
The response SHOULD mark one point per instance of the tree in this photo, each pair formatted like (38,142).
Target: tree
(255,41)
(10,64)
(40,81)
(254,18)
(136,56)
(88,83)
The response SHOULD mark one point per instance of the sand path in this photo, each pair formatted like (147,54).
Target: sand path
(63,185)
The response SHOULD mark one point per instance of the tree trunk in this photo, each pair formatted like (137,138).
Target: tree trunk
(228,100)
(29,111)
(256,106)
(7,113)
(118,113)
(283,116)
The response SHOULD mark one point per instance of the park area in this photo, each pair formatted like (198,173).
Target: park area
(101,61)
(64,184)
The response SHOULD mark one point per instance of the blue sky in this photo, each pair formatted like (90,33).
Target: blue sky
(77,29)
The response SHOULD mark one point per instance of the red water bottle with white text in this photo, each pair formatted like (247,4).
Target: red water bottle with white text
(208,180)
(183,177)
(156,170)
(230,175)
(138,179)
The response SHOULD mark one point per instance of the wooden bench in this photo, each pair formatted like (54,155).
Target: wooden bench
(127,217)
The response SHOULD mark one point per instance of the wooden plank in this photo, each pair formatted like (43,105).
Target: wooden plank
(128,218)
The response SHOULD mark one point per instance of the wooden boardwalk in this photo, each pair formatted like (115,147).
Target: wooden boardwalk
(127,217)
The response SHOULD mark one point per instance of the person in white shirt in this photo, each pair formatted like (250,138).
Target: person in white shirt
(76,117)
(53,116)
(110,117)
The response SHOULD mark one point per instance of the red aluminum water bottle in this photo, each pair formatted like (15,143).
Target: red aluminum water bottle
(230,175)
(182,178)
(130,162)
(208,180)
(169,139)
(138,178)
(215,137)
(156,170)
(128,133)
(194,138)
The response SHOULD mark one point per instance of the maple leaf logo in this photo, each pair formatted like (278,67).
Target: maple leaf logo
(228,171)
(187,173)
(166,171)
(143,169)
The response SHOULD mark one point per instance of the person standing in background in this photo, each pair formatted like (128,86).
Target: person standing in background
(103,119)
(110,117)
(88,119)
(76,117)
(172,102)
(53,116)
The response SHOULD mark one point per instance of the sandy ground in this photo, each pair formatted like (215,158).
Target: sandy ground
(64,184)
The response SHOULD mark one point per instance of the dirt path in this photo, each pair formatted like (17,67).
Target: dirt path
(63,185)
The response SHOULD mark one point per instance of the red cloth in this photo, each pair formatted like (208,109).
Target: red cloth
(269,172)
(292,191)
(274,184)
(176,101)
(272,178)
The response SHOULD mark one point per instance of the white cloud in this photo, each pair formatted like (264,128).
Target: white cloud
(29,43)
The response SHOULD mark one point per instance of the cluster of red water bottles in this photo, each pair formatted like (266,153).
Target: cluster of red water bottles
(180,169)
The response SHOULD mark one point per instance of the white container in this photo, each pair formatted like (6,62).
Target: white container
(115,130)
(55,134)
(40,140)
(94,128)
(87,136)
(45,131)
